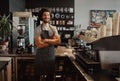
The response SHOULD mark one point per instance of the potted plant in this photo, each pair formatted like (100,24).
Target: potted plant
(5,31)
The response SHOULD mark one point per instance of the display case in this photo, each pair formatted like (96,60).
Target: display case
(25,68)
(64,71)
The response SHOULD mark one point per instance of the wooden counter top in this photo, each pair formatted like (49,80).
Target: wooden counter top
(26,55)
(89,76)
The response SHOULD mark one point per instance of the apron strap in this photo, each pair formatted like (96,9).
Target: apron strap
(48,30)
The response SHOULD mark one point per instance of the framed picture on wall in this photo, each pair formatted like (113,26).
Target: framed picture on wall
(98,17)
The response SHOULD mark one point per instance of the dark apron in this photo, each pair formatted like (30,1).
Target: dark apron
(45,58)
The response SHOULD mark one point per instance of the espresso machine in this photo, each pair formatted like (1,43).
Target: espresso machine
(23,31)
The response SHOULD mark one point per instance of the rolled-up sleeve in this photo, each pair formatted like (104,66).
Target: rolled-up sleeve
(37,32)
(55,30)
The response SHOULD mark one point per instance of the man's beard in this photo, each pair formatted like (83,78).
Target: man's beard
(46,21)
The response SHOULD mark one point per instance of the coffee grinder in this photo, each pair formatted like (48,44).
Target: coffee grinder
(20,39)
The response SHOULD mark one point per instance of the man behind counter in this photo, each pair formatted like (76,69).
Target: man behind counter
(46,36)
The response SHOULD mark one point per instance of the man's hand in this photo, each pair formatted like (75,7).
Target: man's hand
(40,43)
(55,40)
